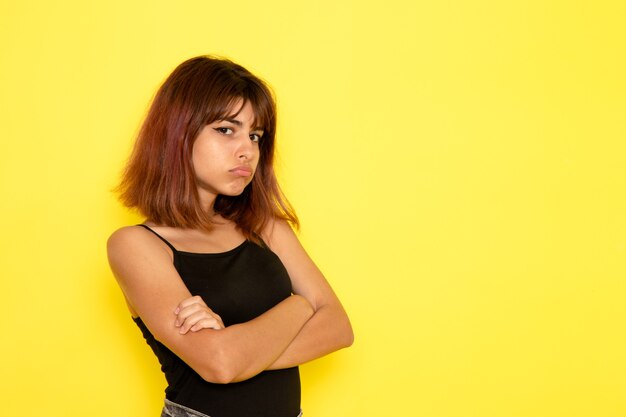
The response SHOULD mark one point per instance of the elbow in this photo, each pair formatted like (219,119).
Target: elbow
(216,376)
(218,369)
(349,339)
(348,336)
(345,333)
(342,330)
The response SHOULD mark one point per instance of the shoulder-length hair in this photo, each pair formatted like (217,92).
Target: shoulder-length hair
(159,178)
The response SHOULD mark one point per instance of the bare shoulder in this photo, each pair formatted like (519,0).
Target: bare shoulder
(131,236)
(127,232)
(278,234)
(131,244)
(123,236)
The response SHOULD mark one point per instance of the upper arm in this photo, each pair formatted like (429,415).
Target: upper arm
(144,270)
(306,278)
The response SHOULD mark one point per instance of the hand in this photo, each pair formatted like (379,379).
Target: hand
(193,314)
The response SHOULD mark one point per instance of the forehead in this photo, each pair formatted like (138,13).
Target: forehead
(239,108)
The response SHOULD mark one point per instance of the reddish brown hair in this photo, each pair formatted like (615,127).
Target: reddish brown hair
(159,178)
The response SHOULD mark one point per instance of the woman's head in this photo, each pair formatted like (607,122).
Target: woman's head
(160,180)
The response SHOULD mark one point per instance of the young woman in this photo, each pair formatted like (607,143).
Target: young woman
(215,278)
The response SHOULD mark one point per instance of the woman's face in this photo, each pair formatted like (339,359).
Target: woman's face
(225,155)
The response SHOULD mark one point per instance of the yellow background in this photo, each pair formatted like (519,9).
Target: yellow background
(459,168)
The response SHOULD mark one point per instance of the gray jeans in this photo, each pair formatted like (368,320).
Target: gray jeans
(171,409)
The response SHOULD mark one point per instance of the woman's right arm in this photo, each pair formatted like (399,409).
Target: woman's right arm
(143,268)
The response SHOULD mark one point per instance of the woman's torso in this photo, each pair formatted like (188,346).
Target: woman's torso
(238,284)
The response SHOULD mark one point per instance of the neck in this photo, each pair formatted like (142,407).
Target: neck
(207,201)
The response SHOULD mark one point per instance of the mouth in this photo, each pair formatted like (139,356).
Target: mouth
(241,171)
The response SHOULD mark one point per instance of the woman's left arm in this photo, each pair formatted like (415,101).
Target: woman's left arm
(329,328)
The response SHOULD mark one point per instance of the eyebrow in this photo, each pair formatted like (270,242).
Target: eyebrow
(239,123)
(233,121)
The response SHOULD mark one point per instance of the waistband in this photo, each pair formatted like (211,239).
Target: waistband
(171,409)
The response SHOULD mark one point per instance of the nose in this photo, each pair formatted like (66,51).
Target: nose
(245,150)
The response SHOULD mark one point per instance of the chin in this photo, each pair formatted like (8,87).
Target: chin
(234,192)
(235,188)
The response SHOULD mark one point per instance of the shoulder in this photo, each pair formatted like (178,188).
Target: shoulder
(123,234)
(129,235)
(133,242)
(277,234)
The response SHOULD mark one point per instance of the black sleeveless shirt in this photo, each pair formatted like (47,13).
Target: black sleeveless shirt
(239,285)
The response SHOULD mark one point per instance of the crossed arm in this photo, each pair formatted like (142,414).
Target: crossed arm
(306,325)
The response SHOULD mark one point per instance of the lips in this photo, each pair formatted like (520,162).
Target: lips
(241,171)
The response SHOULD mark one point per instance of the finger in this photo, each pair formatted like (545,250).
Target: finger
(208,323)
(191,320)
(196,299)
(189,311)
(196,318)
(182,315)
(219,320)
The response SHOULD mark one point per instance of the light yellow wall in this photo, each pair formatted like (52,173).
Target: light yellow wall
(459,168)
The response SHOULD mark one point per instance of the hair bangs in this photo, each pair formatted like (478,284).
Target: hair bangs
(263,107)
(230,103)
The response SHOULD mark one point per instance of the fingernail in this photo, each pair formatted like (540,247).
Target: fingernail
(177,310)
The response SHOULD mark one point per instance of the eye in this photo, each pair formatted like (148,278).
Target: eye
(224,130)
(255,137)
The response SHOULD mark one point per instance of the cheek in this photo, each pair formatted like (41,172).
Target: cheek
(256,165)
(203,151)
